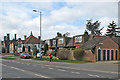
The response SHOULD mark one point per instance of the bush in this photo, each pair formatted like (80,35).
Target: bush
(78,54)
(3,50)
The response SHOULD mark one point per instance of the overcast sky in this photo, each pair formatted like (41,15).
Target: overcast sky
(57,16)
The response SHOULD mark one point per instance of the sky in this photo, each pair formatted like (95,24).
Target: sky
(57,16)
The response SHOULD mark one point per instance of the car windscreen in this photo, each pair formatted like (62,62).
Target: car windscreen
(26,54)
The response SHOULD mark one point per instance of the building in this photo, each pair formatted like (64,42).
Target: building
(16,45)
(104,48)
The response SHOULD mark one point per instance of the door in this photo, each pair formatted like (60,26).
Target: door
(108,54)
(99,54)
(104,55)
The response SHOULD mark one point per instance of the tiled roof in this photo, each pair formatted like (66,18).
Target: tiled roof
(117,40)
(70,42)
(32,40)
(92,43)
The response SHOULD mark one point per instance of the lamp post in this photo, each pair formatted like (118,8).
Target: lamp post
(40,26)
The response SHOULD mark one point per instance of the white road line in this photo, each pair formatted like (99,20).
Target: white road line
(40,75)
(75,72)
(18,69)
(51,68)
(4,65)
(93,75)
(61,70)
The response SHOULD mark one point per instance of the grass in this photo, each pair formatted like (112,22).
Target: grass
(67,61)
(8,58)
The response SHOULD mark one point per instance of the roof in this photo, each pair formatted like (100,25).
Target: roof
(117,40)
(70,42)
(93,42)
(32,40)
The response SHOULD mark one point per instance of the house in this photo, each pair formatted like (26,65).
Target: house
(0,48)
(31,42)
(104,48)
(79,40)
(16,45)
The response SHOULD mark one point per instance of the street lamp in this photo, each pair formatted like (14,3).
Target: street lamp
(40,26)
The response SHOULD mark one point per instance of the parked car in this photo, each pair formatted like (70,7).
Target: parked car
(39,55)
(25,55)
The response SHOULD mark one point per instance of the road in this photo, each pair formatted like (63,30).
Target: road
(17,69)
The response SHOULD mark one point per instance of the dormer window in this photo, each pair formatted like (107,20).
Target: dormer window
(60,41)
(78,39)
(48,42)
(54,42)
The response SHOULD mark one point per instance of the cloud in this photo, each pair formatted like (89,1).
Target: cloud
(19,17)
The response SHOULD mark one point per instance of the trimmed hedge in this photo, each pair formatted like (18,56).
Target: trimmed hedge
(78,53)
(63,54)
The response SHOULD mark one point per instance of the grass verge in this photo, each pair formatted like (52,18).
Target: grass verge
(8,58)
(67,61)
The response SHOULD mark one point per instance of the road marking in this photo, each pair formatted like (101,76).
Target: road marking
(61,70)
(93,75)
(18,69)
(51,68)
(27,71)
(40,75)
(4,65)
(75,72)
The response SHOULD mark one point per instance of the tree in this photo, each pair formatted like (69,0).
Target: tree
(45,48)
(85,33)
(3,50)
(59,34)
(92,26)
(112,29)
(66,34)
(28,48)
(23,48)
(98,32)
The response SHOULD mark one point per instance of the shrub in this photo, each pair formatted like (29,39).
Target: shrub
(3,50)
(78,54)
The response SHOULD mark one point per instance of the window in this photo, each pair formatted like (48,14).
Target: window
(78,39)
(116,54)
(112,54)
(19,44)
(104,55)
(108,54)
(48,42)
(60,41)
(54,42)
(99,54)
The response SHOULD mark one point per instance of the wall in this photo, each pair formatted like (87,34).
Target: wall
(108,43)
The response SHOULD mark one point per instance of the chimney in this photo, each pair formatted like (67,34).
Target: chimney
(8,36)
(25,37)
(4,38)
(38,37)
(19,39)
(15,36)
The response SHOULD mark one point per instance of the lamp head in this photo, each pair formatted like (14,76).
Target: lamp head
(35,10)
